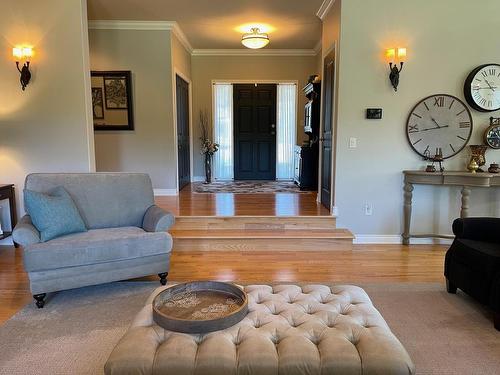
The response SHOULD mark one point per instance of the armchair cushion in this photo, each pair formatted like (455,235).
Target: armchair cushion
(478,228)
(480,257)
(94,247)
(53,214)
(157,219)
(25,232)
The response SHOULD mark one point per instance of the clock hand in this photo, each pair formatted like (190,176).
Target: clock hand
(439,127)
(435,122)
(491,87)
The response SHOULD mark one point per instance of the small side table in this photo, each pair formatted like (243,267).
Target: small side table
(7,192)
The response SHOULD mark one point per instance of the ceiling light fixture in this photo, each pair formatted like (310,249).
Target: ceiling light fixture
(255,39)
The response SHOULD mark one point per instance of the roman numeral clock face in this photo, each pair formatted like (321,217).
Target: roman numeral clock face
(439,121)
(482,88)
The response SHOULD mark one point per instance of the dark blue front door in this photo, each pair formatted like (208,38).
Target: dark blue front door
(254,132)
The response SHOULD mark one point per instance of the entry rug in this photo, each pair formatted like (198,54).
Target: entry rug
(247,187)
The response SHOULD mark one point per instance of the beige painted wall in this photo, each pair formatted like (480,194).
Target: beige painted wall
(208,68)
(181,58)
(446,39)
(46,128)
(150,147)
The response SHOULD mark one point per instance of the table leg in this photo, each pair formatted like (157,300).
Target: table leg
(13,212)
(464,211)
(408,194)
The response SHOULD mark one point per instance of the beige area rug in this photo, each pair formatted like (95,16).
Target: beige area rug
(247,187)
(76,331)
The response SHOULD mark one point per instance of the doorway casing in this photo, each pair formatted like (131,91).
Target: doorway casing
(247,81)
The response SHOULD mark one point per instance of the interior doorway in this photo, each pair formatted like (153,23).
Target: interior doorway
(255,125)
(254,131)
(183,149)
(327,131)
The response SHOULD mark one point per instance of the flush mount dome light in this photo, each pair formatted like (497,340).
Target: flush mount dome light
(255,39)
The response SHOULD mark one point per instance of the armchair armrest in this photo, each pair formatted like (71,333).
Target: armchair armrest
(157,219)
(478,228)
(25,232)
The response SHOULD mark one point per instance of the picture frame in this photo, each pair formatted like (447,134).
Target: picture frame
(97,103)
(112,104)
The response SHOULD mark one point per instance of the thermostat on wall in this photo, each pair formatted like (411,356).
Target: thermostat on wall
(374,113)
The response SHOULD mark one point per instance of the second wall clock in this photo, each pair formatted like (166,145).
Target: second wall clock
(482,88)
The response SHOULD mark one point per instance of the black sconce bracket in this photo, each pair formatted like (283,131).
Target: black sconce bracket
(394,74)
(25,74)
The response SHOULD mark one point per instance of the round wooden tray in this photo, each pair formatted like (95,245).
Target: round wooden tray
(200,307)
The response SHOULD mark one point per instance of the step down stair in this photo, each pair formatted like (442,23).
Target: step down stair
(253,233)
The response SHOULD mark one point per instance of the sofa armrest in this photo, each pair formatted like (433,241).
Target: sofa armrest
(25,232)
(478,228)
(157,219)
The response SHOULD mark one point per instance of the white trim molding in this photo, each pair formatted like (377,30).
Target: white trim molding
(251,52)
(324,8)
(318,47)
(198,178)
(361,239)
(174,27)
(164,192)
(143,25)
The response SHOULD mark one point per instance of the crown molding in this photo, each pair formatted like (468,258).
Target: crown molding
(252,52)
(130,25)
(177,31)
(324,8)
(143,25)
(182,37)
(317,47)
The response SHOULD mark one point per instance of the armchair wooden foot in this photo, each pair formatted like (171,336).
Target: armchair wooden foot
(450,287)
(40,300)
(163,278)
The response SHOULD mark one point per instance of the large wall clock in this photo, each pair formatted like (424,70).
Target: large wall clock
(482,88)
(439,122)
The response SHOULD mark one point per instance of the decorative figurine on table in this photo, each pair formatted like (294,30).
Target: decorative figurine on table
(430,167)
(438,158)
(477,153)
(494,168)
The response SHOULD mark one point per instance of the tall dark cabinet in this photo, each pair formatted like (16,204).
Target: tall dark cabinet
(307,155)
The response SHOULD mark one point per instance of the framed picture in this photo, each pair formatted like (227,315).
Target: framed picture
(97,103)
(112,100)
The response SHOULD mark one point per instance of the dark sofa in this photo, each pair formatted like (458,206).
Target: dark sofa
(472,263)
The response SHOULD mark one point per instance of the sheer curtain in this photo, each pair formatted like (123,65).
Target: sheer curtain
(223,131)
(286,130)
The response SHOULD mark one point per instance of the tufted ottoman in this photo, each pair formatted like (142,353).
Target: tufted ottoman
(289,330)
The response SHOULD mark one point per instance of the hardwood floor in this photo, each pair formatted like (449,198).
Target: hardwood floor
(365,263)
(188,203)
(361,263)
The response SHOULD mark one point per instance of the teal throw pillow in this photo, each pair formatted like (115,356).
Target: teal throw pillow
(53,214)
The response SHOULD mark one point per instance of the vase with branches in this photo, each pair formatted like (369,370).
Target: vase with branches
(208,146)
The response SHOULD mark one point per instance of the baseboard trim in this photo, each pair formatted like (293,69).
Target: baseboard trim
(164,192)
(361,239)
(198,178)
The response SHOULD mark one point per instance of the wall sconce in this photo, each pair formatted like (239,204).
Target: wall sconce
(23,53)
(394,55)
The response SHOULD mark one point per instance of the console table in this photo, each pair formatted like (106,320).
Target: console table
(464,179)
(7,192)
